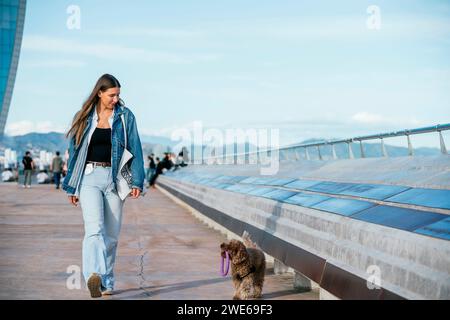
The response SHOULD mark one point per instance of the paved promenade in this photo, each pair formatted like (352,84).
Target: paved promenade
(164,252)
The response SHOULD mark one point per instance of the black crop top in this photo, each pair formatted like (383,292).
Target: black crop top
(100,146)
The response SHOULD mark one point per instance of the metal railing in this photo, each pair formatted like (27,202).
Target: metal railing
(294,149)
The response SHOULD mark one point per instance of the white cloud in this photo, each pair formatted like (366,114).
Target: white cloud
(311,27)
(169,130)
(26,126)
(151,32)
(365,117)
(61,63)
(334,27)
(368,118)
(109,51)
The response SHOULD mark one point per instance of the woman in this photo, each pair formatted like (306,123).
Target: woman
(96,146)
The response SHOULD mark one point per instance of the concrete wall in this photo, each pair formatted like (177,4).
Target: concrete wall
(411,266)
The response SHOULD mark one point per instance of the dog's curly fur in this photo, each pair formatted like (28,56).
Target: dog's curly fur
(248,266)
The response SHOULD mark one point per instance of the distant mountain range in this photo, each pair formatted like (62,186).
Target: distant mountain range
(372,149)
(54,141)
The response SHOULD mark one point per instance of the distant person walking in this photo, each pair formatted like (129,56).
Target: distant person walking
(57,167)
(28,167)
(97,142)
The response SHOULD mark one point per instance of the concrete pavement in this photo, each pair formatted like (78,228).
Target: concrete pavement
(164,252)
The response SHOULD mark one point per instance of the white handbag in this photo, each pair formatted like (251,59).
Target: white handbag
(124,179)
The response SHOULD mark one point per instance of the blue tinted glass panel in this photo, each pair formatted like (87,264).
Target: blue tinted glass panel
(208,180)
(195,179)
(440,229)
(373,191)
(345,207)
(306,199)
(263,181)
(241,188)
(400,218)
(223,178)
(260,191)
(249,180)
(237,179)
(279,182)
(231,179)
(330,187)
(198,178)
(279,195)
(424,197)
(211,176)
(302,184)
(223,185)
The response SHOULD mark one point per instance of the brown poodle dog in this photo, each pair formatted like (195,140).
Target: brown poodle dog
(248,265)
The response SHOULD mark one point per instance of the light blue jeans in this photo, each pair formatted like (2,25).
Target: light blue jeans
(102,214)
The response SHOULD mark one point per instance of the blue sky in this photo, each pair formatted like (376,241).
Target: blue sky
(308,68)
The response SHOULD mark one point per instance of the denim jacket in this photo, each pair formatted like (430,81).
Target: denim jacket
(77,155)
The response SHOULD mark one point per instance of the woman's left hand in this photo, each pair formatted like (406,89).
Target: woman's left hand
(135,192)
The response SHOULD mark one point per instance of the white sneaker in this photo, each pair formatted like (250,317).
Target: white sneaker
(108,292)
(29,187)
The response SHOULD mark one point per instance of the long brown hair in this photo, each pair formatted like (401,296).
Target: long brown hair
(104,83)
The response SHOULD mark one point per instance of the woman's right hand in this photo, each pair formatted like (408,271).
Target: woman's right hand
(73,200)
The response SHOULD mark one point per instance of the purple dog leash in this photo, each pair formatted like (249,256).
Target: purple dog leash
(224,273)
